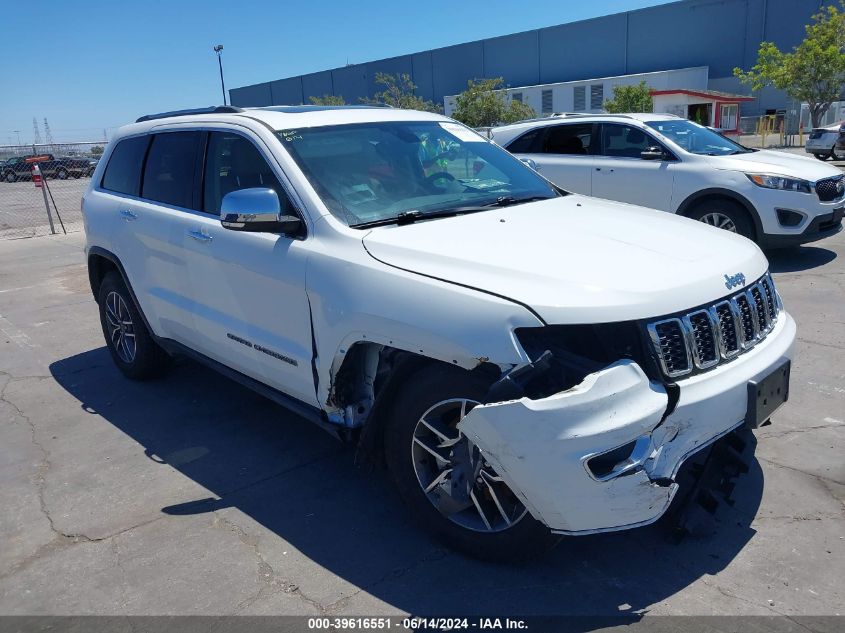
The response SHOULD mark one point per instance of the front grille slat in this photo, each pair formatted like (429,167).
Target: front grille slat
(703,338)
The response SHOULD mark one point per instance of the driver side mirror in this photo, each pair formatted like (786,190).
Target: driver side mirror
(652,153)
(257,210)
(529,162)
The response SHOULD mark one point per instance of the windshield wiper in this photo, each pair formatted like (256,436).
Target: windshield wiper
(406,217)
(409,217)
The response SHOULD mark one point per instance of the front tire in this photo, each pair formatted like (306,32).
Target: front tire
(130,344)
(62,174)
(445,481)
(723,214)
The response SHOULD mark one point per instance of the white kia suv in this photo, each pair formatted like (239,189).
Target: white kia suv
(527,362)
(664,162)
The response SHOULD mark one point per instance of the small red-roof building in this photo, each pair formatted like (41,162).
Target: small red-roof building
(707,107)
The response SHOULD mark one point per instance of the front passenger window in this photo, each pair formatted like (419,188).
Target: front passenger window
(234,163)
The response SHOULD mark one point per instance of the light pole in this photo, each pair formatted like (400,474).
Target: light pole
(219,50)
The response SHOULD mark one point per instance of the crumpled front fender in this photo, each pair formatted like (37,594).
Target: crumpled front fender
(541,448)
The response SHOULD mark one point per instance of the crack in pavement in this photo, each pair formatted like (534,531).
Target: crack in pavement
(271,584)
(821,478)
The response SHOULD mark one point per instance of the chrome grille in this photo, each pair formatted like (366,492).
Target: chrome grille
(668,336)
(829,189)
(703,338)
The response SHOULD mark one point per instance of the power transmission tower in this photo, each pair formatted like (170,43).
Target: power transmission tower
(48,135)
(36,133)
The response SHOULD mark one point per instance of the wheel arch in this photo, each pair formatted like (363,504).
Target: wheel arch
(392,368)
(716,193)
(100,263)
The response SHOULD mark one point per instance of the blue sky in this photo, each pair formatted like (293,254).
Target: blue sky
(98,64)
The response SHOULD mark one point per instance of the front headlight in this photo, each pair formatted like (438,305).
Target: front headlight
(780,182)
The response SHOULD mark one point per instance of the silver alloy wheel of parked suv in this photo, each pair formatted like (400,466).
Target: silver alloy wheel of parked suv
(445,461)
(720,221)
(121,327)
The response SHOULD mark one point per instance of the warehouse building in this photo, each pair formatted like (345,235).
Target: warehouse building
(717,35)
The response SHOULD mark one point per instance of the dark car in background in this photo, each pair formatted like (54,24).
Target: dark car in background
(62,167)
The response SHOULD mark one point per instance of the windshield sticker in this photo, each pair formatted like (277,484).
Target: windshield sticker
(291,135)
(462,133)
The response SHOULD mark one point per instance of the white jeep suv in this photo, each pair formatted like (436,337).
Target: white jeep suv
(528,362)
(664,162)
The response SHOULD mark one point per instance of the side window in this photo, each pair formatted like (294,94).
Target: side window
(624,141)
(569,139)
(123,173)
(171,164)
(528,143)
(234,163)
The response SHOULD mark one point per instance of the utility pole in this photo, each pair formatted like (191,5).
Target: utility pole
(36,133)
(219,50)
(47,132)
(18,132)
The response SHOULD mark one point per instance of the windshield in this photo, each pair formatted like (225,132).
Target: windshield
(696,138)
(373,172)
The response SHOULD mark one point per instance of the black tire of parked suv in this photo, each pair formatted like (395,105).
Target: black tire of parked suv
(823,156)
(430,385)
(727,209)
(9,176)
(61,173)
(121,321)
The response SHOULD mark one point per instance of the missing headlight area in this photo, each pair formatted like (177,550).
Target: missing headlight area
(563,355)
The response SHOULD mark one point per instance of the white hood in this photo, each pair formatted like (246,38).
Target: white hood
(576,259)
(777,163)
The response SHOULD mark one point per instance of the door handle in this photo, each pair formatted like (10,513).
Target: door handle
(199,236)
(128,215)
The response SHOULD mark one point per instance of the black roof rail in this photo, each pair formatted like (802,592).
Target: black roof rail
(297,109)
(225,109)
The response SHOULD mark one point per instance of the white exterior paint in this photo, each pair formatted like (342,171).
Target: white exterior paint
(563,93)
(455,290)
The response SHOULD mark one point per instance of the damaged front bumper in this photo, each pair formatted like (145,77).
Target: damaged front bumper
(600,456)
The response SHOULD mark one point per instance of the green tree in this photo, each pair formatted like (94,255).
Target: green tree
(328,100)
(97,150)
(630,99)
(399,93)
(815,69)
(485,104)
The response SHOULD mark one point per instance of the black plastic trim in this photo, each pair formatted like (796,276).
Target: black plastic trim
(209,110)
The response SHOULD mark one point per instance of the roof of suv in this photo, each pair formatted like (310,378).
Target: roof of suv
(283,117)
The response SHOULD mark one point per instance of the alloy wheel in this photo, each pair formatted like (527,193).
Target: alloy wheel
(720,221)
(121,328)
(455,476)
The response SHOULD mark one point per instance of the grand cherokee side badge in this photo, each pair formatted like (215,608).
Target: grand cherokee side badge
(734,280)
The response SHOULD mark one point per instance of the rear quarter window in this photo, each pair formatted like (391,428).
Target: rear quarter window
(123,172)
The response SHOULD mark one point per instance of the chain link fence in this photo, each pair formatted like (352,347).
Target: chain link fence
(27,210)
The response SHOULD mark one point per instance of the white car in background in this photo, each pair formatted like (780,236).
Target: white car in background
(821,142)
(668,163)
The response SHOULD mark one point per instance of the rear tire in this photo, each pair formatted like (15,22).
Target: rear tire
(130,344)
(823,156)
(61,174)
(10,177)
(723,214)
(506,535)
